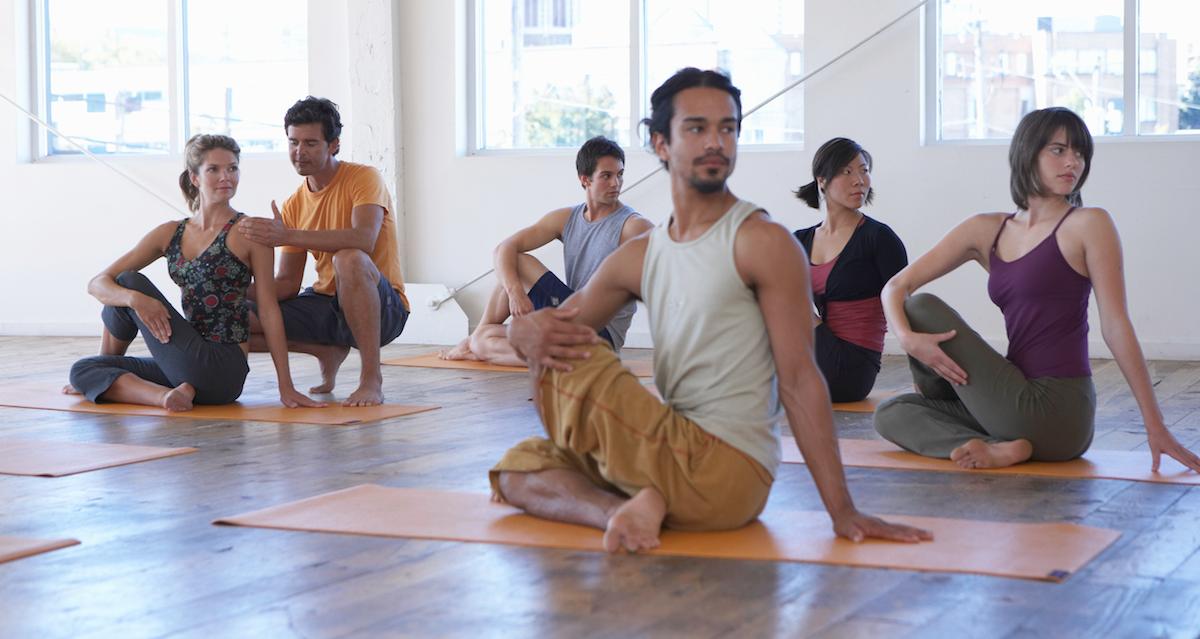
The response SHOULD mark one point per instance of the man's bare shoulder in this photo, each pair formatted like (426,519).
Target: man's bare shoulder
(759,226)
(556,218)
(635,225)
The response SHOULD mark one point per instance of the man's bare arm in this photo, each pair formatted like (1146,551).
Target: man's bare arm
(547,337)
(772,263)
(504,258)
(365,222)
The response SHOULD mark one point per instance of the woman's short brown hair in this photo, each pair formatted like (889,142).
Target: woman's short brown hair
(1034,132)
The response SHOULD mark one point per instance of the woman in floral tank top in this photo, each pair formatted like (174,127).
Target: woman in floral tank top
(198,357)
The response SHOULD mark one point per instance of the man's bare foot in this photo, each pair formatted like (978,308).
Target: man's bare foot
(367,394)
(980,454)
(329,358)
(461,351)
(635,524)
(179,399)
(70,390)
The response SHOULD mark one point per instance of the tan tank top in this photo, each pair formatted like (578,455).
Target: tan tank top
(712,356)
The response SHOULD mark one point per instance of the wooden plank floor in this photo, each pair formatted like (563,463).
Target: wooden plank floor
(151,564)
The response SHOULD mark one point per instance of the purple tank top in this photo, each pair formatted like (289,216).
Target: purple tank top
(1045,303)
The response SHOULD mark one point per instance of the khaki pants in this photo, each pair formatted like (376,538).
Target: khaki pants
(604,424)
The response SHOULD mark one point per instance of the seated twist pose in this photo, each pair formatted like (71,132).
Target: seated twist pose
(731,338)
(985,410)
(198,357)
(851,257)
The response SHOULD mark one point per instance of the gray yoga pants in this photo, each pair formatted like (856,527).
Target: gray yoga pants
(1056,414)
(216,370)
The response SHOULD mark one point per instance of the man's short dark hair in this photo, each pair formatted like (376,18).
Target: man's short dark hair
(662,101)
(590,153)
(1033,133)
(312,110)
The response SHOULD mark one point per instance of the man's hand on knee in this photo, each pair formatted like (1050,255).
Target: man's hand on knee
(549,336)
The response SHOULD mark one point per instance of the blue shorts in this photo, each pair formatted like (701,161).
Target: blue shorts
(550,292)
(318,319)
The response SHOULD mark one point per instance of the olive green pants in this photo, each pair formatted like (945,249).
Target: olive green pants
(998,403)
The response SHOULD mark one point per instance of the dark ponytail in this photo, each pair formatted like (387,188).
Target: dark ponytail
(809,193)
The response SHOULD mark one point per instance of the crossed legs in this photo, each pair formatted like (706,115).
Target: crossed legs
(489,341)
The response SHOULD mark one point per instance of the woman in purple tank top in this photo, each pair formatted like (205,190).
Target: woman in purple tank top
(198,357)
(985,410)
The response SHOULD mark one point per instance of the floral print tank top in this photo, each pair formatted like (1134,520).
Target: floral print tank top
(214,287)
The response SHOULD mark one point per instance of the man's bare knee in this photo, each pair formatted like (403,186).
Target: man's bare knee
(530,269)
(353,264)
(513,488)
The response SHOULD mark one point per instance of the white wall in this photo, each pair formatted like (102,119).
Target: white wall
(66,219)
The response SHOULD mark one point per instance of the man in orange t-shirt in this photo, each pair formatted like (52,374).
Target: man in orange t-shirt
(341,214)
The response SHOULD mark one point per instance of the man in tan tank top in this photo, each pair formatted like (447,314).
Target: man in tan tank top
(617,458)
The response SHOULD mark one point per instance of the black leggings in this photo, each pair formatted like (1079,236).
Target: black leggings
(216,370)
(850,370)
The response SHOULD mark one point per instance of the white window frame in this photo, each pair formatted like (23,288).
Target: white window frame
(1131,94)
(177,82)
(639,93)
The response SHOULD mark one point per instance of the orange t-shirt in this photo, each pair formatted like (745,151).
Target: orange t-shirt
(328,209)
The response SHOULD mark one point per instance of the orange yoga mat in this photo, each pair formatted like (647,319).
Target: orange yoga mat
(17,547)
(867,405)
(1050,552)
(248,408)
(1095,464)
(640,368)
(55,459)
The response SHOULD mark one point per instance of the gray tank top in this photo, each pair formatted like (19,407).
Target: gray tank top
(585,245)
(712,357)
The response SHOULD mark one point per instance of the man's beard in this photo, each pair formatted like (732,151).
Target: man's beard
(708,186)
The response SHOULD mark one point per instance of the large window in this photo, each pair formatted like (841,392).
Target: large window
(553,73)
(1126,67)
(144,78)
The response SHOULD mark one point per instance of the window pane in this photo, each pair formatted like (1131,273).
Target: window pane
(247,63)
(554,72)
(1169,79)
(107,75)
(1066,53)
(760,43)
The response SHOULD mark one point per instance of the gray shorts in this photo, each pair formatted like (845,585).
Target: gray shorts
(318,319)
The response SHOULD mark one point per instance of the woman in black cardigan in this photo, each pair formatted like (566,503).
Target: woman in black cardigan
(852,257)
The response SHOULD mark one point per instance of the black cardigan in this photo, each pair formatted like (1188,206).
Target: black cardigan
(872,256)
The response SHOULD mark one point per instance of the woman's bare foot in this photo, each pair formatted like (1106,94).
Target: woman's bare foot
(70,390)
(179,399)
(980,454)
(635,524)
(329,358)
(461,351)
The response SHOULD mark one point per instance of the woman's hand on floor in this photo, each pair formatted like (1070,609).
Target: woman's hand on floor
(1162,442)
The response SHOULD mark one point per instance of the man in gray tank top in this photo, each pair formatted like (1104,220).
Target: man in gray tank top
(589,231)
(731,337)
